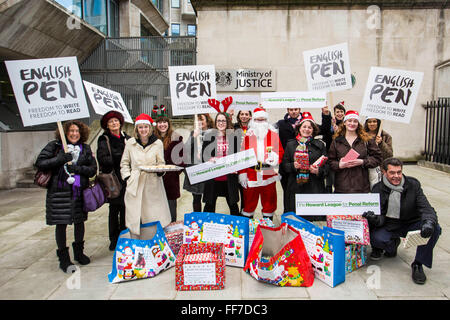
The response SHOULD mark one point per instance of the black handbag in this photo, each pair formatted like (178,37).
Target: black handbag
(110,181)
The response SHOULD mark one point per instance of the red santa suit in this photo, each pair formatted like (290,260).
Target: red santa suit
(260,181)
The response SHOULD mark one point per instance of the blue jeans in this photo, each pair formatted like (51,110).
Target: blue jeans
(383,239)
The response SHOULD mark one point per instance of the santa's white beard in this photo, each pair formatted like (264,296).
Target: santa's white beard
(259,129)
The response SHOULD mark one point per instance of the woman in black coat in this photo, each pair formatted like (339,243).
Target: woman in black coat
(217,143)
(298,160)
(112,123)
(64,201)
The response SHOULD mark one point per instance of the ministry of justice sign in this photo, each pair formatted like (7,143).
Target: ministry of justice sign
(246,80)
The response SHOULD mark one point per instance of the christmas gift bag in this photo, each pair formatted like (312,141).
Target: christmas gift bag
(174,234)
(253,226)
(356,228)
(325,247)
(143,256)
(355,256)
(278,256)
(200,266)
(232,231)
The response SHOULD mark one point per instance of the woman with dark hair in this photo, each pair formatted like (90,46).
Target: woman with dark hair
(70,171)
(192,156)
(300,156)
(172,155)
(243,118)
(352,176)
(109,160)
(217,143)
(383,139)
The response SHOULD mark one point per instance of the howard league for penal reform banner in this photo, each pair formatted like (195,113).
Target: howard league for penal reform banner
(48,90)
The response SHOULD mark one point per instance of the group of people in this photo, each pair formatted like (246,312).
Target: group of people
(289,151)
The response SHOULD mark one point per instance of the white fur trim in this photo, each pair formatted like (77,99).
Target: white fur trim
(351,116)
(260,114)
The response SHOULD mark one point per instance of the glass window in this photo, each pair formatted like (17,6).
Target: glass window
(191,30)
(95,14)
(175,3)
(175,29)
(73,6)
(113,19)
(158,4)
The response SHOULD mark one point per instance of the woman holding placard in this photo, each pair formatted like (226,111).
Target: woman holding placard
(172,155)
(351,154)
(192,156)
(145,196)
(305,162)
(70,173)
(110,146)
(383,139)
(218,143)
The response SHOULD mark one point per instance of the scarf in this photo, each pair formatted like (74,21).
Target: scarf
(64,175)
(393,210)
(302,157)
(294,121)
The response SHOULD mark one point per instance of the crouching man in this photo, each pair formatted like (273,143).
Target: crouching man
(404,208)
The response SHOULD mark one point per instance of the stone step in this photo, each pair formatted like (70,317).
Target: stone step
(26,183)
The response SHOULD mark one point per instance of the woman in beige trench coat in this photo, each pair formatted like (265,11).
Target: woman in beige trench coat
(145,196)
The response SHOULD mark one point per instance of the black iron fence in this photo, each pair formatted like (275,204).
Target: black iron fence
(437,134)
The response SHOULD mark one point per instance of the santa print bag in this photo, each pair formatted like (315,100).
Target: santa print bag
(278,256)
(141,256)
(93,196)
(325,246)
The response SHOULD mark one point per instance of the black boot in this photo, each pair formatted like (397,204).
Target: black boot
(64,259)
(78,254)
(418,275)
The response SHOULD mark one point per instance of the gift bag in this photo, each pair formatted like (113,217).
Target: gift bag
(143,256)
(200,266)
(355,257)
(356,228)
(278,256)
(174,234)
(325,247)
(253,226)
(232,231)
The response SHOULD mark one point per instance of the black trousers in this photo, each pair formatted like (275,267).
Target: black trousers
(60,234)
(116,220)
(221,188)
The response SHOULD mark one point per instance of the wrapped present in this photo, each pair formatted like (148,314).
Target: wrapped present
(253,226)
(355,257)
(174,234)
(320,162)
(413,239)
(232,231)
(325,247)
(143,256)
(278,256)
(200,266)
(356,228)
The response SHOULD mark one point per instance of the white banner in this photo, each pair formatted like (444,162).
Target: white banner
(104,100)
(322,204)
(241,102)
(391,94)
(48,90)
(190,89)
(222,166)
(328,68)
(294,99)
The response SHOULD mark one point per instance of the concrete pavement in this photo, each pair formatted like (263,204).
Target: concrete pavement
(30,267)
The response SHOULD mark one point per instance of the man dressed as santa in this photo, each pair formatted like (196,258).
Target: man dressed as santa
(261,179)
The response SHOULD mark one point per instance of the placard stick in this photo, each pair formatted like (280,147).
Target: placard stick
(380,128)
(62,135)
(330,100)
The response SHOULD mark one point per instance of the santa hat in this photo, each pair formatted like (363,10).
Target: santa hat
(306,116)
(351,114)
(108,116)
(144,118)
(260,112)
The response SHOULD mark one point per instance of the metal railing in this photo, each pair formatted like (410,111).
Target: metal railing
(437,131)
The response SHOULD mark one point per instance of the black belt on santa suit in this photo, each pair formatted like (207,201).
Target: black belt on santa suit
(260,166)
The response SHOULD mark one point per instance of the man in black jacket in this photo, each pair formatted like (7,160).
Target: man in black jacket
(404,208)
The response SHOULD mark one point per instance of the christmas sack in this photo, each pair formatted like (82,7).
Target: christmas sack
(253,226)
(208,227)
(278,256)
(355,257)
(174,234)
(141,256)
(325,247)
(200,266)
(356,228)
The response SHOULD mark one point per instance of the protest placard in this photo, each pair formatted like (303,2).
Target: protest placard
(294,99)
(336,204)
(221,166)
(241,102)
(191,87)
(104,100)
(391,94)
(328,68)
(48,90)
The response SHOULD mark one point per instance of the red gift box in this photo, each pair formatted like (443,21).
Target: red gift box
(200,266)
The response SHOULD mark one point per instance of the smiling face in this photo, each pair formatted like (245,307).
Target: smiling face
(372,124)
(351,125)
(394,174)
(306,129)
(162,126)
(202,123)
(244,116)
(339,114)
(73,134)
(143,130)
(293,112)
(113,125)
(221,122)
